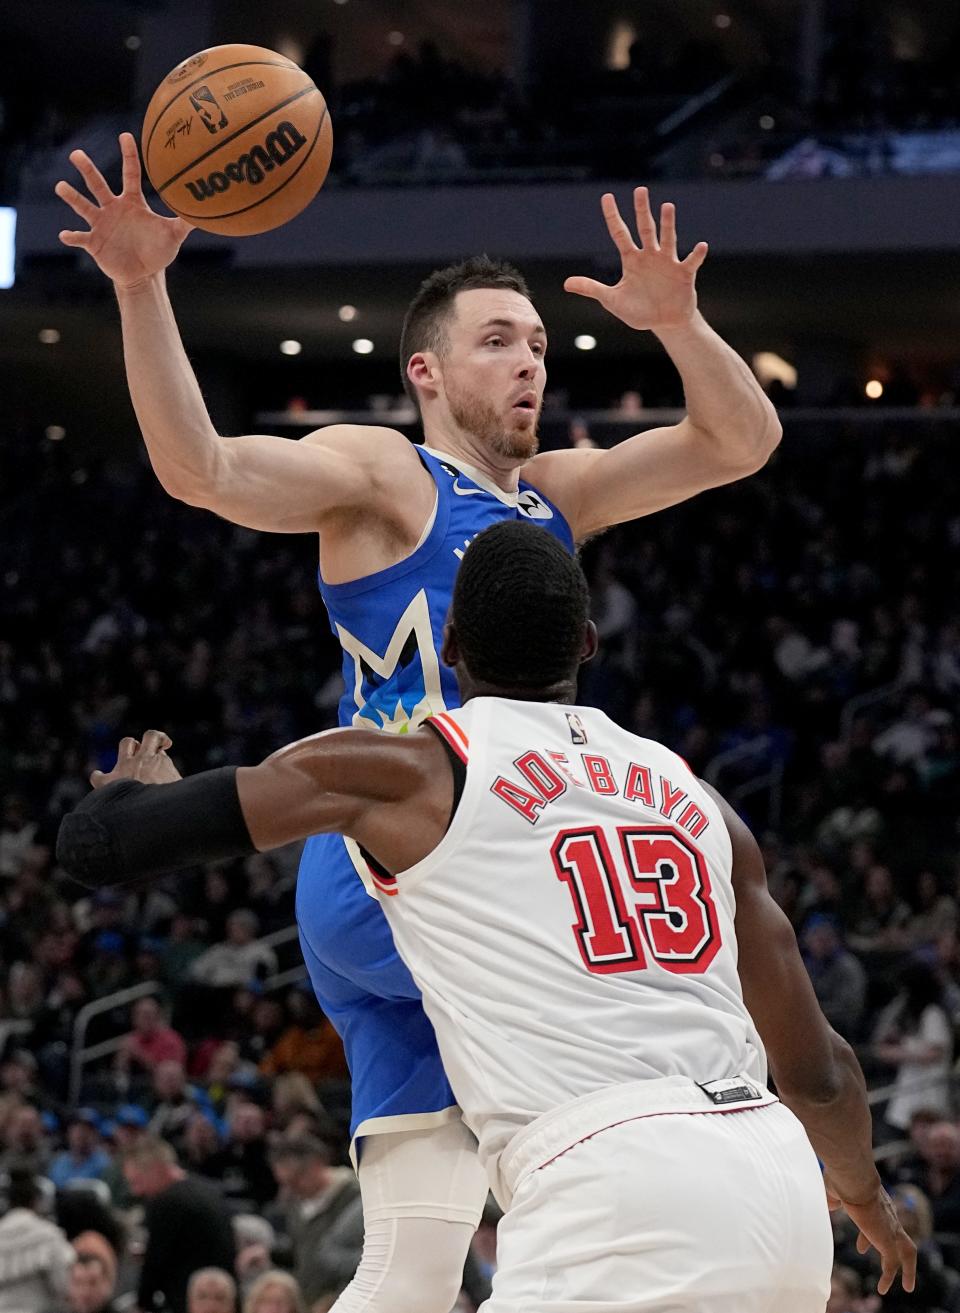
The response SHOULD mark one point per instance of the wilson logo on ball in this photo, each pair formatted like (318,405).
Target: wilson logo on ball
(252,166)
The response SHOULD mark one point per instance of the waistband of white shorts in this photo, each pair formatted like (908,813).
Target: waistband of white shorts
(561,1128)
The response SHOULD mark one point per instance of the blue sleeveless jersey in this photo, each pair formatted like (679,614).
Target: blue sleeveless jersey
(390,624)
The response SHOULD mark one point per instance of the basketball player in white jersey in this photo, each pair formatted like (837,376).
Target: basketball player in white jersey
(597,950)
(391,521)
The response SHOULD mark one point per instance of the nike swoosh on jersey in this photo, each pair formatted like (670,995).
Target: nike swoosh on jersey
(466,492)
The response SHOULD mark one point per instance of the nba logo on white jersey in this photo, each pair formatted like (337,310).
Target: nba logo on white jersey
(578,733)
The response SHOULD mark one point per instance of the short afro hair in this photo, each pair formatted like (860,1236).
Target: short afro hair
(425,321)
(520,608)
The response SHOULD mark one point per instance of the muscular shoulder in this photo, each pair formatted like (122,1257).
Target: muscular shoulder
(369,763)
(366,443)
(385,460)
(416,799)
(560,476)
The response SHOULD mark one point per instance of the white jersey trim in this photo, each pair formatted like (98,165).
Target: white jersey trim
(556,1131)
(479,478)
(428,527)
(402,1121)
(476,720)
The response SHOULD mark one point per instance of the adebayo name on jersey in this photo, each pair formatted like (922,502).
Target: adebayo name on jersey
(253,165)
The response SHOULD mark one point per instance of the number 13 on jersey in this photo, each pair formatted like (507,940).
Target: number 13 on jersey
(659,871)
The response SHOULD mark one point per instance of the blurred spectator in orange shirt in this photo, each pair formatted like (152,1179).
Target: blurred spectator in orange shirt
(310,1044)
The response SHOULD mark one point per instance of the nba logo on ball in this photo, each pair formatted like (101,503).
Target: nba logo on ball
(205,103)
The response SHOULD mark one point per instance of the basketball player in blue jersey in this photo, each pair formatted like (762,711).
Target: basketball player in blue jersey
(393,520)
(608,974)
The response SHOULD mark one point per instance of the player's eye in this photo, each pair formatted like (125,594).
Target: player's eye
(495,341)
(539,348)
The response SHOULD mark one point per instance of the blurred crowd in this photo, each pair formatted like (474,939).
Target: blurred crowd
(663,101)
(884,100)
(210,1085)
(796,637)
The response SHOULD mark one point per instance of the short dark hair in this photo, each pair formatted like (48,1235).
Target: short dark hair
(151,1149)
(301,1149)
(425,320)
(520,607)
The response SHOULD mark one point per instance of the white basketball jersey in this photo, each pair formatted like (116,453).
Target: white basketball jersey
(574,929)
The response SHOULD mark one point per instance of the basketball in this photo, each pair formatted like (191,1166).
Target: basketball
(237,140)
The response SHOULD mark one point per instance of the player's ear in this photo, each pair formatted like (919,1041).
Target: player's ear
(591,641)
(450,648)
(423,371)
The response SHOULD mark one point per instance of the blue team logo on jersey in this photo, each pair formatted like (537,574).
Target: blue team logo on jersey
(398,688)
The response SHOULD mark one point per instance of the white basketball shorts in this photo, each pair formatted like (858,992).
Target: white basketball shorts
(718,1212)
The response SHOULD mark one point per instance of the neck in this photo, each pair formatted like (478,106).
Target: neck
(452,440)
(564,691)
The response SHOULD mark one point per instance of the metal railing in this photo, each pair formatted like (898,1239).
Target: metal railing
(277,938)
(81,1054)
(884,1093)
(691,107)
(13,1026)
(772,782)
(859,702)
(769,780)
(292,976)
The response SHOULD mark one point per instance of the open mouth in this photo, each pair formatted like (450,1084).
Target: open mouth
(524,404)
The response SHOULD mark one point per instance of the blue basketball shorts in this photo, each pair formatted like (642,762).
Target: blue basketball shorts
(397,1077)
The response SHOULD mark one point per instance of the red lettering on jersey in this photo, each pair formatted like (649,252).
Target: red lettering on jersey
(675,904)
(693,820)
(599,774)
(639,785)
(561,760)
(674,918)
(607,935)
(671,797)
(527,804)
(541,776)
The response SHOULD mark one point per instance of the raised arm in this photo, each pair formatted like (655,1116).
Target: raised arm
(394,795)
(816,1072)
(257,480)
(730,427)
(260,482)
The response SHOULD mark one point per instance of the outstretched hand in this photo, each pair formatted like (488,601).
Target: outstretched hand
(881,1229)
(656,289)
(145,761)
(128,240)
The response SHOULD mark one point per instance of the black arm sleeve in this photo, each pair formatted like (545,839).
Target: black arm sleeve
(127,831)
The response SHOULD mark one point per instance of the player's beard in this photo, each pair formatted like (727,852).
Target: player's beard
(478,417)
